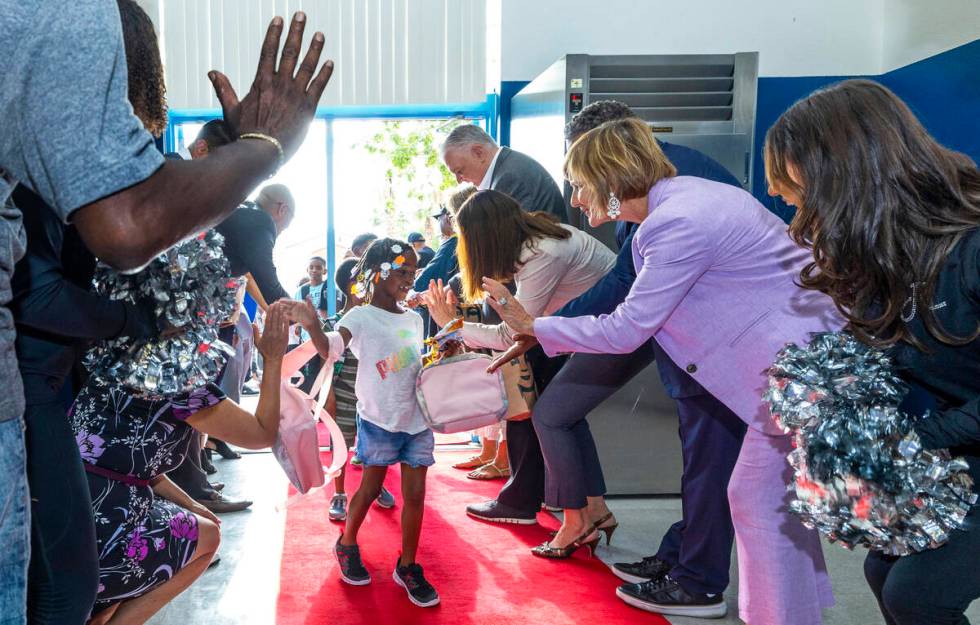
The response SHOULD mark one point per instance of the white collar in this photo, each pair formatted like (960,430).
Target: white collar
(185,154)
(488,177)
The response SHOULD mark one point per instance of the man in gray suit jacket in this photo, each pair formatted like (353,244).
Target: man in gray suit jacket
(472,156)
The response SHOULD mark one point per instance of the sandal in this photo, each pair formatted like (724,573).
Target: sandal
(473,463)
(489,471)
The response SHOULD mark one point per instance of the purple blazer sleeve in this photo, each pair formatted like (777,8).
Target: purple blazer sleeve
(671,253)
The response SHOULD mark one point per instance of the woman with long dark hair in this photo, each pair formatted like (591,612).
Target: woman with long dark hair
(893,220)
(546,264)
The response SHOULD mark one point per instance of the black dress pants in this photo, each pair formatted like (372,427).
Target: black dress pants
(934,587)
(189,475)
(524,490)
(63,575)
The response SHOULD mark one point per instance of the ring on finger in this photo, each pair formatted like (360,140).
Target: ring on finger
(502,301)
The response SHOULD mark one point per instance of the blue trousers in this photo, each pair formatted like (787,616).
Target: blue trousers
(700,544)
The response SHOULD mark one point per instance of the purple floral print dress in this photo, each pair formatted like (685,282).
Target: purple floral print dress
(142,540)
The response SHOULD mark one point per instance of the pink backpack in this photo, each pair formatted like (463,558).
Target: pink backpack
(297,447)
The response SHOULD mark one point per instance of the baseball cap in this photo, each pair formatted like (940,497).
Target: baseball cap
(415,237)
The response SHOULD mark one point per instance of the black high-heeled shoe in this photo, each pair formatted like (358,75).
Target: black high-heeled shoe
(608,529)
(554,552)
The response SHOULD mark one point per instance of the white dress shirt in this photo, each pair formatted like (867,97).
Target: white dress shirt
(488,177)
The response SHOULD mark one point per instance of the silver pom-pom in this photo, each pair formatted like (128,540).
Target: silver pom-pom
(193,294)
(862,475)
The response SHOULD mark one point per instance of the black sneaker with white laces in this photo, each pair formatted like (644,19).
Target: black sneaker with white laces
(646,569)
(666,596)
(420,591)
(352,569)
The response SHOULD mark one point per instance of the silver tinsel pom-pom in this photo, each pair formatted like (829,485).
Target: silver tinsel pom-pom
(193,293)
(862,476)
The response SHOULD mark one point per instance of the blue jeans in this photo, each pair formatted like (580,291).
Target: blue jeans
(377,447)
(15,527)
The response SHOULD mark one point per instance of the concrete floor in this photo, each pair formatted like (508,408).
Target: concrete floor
(242,589)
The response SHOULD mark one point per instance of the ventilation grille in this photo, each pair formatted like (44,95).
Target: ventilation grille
(671,92)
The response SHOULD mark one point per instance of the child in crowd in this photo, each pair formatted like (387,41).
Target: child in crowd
(342,403)
(388,339)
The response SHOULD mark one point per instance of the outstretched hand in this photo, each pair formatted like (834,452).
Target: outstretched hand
(272,341)
(302,313)
(522,344)
(279,103)
(510,310)
(441,302)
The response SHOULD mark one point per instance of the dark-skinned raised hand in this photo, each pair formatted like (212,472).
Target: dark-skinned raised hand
(282,100)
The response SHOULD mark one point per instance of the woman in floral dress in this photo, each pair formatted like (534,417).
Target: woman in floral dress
(153,539)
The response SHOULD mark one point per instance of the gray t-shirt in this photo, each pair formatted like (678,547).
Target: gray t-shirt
(67,130)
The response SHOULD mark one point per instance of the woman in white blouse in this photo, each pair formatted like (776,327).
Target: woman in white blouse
(546,264)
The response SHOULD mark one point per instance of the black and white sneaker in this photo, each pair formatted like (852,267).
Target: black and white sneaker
(496,512)
(642,571)
(420,591)
(666,596)
(352,569)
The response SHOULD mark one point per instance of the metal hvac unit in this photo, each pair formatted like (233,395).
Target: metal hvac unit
(706,102)
(703,101)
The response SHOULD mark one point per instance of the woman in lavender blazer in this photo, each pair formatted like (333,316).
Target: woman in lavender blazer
(715,286)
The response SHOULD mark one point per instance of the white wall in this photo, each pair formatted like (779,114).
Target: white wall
(917,29)
(794,37)
(386,51)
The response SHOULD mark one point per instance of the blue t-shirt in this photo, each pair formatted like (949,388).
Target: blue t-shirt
(67,130)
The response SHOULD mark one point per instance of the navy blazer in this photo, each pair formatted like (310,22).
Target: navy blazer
(610,291)
(443,265)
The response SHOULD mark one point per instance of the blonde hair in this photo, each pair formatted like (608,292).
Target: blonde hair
(458,196)
(620,157)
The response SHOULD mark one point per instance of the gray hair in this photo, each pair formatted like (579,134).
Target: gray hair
(467,134)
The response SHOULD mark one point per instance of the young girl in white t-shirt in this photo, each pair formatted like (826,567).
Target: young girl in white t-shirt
(387,340)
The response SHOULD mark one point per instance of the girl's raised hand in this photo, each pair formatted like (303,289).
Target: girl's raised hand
(441,302)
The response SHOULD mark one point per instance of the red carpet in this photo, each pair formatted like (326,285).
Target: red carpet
(484,573)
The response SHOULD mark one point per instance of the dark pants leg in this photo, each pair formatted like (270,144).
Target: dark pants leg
(700,544)
(524,490)
(933,587)
(189,475)
(571,460)
(63,577)
(310,371)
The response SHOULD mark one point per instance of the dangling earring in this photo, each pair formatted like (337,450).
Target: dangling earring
(613,206)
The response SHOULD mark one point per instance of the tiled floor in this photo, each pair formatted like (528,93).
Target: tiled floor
(242,589)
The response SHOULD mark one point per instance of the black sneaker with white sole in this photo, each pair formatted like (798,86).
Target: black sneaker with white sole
(420,591)
(666,596)
(643,571)
(496,512)
(352,569)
